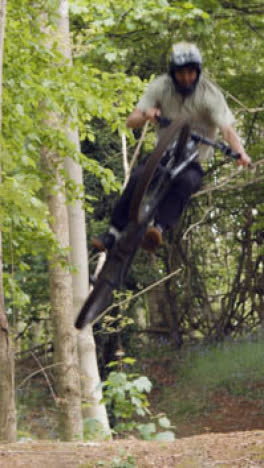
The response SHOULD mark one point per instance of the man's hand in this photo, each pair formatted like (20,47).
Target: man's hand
(244,160)
(137,118)
(230,135)
(151,114)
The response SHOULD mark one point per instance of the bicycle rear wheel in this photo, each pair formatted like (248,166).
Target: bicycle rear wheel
(98,300)
(112,276)
(145,200)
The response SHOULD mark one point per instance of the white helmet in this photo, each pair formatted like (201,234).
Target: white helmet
(182,55)
(185,53)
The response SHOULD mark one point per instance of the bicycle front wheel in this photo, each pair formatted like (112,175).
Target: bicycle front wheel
(145,199)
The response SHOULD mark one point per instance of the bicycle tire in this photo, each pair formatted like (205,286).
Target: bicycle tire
(111,276)
(151,165)
(98,300)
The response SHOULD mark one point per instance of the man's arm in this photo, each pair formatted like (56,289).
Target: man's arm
(232,138)
(148,107)
(138,118)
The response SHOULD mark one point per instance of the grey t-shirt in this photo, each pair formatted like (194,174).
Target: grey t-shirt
(206,106)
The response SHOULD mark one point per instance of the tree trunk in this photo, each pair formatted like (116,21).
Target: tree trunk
(65,341)
(65,336)
(7,381)
(90,378)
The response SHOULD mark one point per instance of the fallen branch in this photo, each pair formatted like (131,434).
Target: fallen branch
(235,460)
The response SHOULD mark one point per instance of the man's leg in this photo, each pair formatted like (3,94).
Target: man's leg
(120,214)
(173,205)
(179,195)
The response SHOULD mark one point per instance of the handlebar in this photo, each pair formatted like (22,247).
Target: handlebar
(219,145)
(164,122)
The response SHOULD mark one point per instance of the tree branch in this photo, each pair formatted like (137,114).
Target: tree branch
(226,180)
(135,296)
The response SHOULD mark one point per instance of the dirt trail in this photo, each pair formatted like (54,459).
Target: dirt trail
(235,449)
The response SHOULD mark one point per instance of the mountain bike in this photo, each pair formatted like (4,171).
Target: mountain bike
(175,151)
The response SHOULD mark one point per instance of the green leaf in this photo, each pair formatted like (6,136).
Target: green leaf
(188,6)
(112,364)
(167,436)
(20,109)
(164,422)
(143,384)
(147,430)
(129,360)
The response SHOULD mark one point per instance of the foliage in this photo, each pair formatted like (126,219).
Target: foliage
(196,374)
(230,365)
(125,394)
(232,368)
(93,430)
(105,32)
(119,320)
(38,81)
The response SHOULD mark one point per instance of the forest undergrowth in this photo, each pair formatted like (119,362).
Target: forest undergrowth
(202,388)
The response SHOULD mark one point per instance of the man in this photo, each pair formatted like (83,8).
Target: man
(182,93)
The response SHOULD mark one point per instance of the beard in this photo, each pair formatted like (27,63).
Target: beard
(185,90)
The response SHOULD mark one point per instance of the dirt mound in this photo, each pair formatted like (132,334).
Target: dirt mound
(235,449)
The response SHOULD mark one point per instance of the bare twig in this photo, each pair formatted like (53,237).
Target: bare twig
(159,330)
(235,460)
(48,345)
(228,179)
(125,160)
(193,226)
(212,188)
(247,184)
(254,28)
(253,9)
(46,376)
(21,334)
(251,110)
(138,294)
(243,107)
(138,148)
(33,452)
(38,372)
